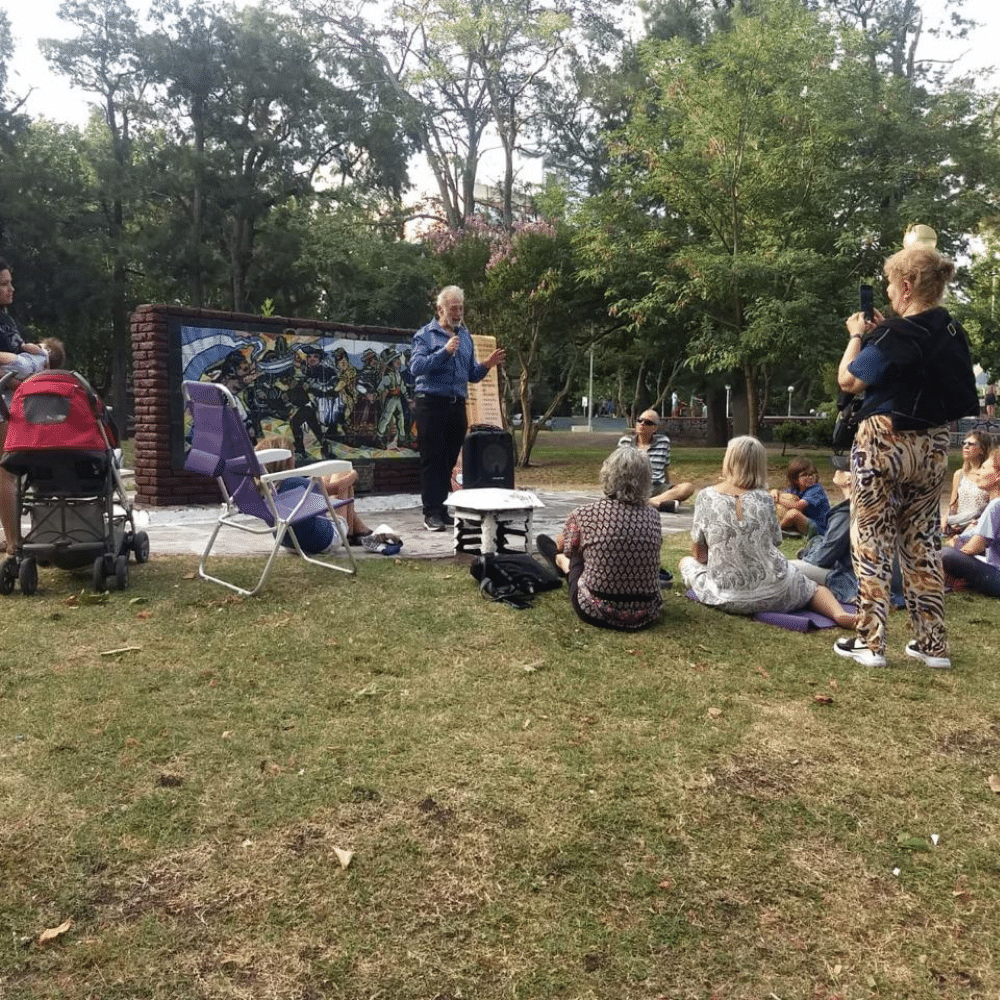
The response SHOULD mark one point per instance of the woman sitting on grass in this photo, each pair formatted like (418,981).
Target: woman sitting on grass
(975,559)
(317,534)
(967,500)
(737,565)
(610,550)
(804,506)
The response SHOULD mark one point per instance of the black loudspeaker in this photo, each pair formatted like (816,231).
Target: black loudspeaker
(488,459)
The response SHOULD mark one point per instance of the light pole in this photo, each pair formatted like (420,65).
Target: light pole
(728,388)
(791,389)
(590,391)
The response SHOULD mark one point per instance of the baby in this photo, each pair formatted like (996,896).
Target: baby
(50,353)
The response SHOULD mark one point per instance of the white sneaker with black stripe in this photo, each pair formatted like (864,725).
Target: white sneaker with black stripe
(852,648)
(937,662)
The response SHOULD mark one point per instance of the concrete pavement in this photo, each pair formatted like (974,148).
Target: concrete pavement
(185,530)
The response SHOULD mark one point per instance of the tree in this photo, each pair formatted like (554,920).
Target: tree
(772,176)
(523,288)
(103,60)
(258,108)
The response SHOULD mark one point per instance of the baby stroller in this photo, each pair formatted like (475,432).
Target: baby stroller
(60,446)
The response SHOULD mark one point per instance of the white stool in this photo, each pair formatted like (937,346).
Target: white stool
(486,518)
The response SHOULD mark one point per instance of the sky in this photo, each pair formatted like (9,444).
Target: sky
(51,95)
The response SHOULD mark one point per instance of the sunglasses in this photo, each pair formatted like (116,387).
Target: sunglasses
(647,423)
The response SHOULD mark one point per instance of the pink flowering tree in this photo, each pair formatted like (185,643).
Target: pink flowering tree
(523,287)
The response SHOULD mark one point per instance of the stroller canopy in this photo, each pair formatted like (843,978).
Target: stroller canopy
(58,410)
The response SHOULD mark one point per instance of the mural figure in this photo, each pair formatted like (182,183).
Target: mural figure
(237,373)
(344,395)
(391,428)
(304,415)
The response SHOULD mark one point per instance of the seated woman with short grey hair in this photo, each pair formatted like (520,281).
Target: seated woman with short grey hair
(610,550)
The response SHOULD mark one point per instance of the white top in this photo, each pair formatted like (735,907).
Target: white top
(492,498)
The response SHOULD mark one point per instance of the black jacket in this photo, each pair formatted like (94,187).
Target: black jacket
(930,379)
(11,340)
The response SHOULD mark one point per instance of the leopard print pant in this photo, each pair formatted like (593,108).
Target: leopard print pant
(895,508)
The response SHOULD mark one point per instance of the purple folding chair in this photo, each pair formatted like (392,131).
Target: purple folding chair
(221,447)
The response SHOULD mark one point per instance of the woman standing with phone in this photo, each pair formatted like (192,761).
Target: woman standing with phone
(916,375)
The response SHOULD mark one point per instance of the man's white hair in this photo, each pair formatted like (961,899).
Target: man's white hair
(450,292)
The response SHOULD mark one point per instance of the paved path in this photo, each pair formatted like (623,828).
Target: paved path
(185,530)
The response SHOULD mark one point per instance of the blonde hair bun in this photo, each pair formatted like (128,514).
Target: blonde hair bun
(919,235)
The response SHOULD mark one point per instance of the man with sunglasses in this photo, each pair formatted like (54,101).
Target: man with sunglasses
(665,496)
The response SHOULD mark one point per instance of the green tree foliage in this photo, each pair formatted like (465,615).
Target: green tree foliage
(260,110)
(771,176)
(59,244)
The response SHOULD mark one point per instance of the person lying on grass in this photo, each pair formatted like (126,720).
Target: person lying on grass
(610,550)
(975,559)
(736,564)
(803,506)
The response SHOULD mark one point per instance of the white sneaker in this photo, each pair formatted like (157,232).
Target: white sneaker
(854,649)
(937,662)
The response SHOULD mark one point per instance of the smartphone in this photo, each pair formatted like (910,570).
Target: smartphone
(866,301)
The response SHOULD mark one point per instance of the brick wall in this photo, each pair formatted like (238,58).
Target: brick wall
(159,406)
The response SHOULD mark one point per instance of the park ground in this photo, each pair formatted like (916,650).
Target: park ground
(388,787)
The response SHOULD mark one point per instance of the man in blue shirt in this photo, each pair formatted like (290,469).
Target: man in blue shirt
(443,363)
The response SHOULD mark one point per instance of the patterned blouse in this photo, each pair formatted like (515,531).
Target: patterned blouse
(746,570)
(971,500)
(620,543)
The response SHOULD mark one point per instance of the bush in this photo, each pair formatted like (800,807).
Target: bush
(791,433)
(821,429)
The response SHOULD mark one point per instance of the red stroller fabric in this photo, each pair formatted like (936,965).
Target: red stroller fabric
(58,410)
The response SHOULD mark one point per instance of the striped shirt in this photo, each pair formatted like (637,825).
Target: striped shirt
(658,454)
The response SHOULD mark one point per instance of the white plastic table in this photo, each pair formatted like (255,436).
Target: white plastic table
(485,518)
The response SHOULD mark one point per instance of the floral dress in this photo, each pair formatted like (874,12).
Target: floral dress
(746,572)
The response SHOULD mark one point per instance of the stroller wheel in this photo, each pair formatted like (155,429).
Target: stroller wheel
(121,572)
(8,575)
(28,576)
(140,546)
(98,578)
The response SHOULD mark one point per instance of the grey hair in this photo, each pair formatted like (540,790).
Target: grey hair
(626,475)
(745,463)
(450,292)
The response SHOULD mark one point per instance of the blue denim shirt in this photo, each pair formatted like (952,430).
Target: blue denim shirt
(438,372)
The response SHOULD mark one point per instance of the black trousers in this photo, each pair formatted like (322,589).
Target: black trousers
(441,427)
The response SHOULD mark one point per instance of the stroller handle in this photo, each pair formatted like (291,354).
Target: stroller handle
(4,408)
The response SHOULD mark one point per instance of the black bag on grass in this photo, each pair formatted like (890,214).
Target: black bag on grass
(513,577)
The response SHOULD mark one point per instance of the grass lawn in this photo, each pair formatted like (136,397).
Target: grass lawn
(536,809)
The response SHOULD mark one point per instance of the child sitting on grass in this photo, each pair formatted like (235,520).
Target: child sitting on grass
(803,506)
